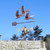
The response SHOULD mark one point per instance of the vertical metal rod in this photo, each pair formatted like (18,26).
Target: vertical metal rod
(25,28)
(25,21)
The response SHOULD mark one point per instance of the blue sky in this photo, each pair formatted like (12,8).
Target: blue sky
(8,8)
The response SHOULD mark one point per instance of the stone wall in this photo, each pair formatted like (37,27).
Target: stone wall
(22,45)
(47,42)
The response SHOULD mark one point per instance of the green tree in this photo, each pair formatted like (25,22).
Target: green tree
(30,35)
(14,37)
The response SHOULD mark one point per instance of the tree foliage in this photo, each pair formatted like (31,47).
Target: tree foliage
(30,35)
(14,37)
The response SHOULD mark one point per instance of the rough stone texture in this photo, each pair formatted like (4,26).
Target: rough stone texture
(22,45)
(47,42)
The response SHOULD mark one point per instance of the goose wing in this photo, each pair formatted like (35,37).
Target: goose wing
(16,13)
(26,16)
(22,9)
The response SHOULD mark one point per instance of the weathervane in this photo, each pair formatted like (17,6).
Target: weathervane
(26,18)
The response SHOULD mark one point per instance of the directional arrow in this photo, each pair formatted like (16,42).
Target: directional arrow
(14,23)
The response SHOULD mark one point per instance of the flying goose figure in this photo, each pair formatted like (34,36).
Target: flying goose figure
(22,10)
(17,15)
(27,18)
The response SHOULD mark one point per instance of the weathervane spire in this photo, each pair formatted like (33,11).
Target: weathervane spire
(27,17)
